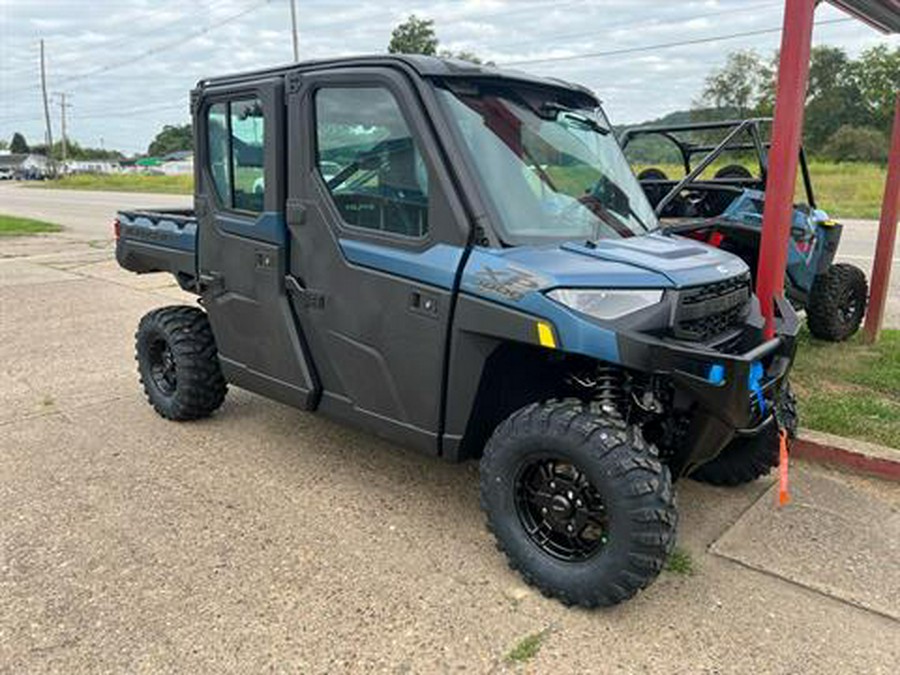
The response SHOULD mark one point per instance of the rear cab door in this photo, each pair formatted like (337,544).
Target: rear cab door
(377,237)
(242,242)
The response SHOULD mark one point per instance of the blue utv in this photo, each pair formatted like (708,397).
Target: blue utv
(459,259)
(725,210)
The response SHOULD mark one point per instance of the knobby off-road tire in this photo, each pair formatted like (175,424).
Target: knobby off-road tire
(747,458)
(837,303)
(597,462)
(178,363)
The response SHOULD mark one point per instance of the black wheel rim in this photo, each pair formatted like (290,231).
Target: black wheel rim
(162,367)
(560,510)
(848,309)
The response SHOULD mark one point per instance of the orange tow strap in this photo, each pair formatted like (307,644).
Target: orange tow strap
(784,496)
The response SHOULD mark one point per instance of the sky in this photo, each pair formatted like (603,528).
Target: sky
(127,66)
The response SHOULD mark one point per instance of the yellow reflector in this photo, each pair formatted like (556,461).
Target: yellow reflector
(545,335)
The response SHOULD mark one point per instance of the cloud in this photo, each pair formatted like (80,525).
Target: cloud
(129,65)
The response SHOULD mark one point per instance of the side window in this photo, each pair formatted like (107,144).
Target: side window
(236,137)
(248,132)
(219,164)
(369,160)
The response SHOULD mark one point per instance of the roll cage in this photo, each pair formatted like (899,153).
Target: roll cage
(748,135)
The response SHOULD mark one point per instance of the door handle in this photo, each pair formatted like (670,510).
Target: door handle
(306,298)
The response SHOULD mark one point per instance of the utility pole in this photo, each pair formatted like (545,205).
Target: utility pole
(48,129)
(62,109)
(294,35)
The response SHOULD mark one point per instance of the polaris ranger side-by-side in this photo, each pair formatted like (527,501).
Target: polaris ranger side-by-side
(460,260)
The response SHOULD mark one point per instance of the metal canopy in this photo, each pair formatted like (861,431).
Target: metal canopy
(883,15)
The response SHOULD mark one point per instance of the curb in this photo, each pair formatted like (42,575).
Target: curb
(854,455)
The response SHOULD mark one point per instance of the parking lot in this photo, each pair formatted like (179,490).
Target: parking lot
(266,538)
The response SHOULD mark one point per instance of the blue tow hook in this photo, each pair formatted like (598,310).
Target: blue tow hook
(716,374)
(755,384)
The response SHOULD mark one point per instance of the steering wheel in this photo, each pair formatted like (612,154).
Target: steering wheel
(695,199)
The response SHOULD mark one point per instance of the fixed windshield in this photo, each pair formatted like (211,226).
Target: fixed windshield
(551,169)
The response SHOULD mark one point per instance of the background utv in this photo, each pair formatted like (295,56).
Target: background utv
(460,260)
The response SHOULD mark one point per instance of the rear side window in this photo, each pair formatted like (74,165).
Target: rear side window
(370,162)
(236,134)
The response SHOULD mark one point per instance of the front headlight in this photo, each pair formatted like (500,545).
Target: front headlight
(606,304)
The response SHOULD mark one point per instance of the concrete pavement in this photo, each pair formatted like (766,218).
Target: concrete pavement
(266,538)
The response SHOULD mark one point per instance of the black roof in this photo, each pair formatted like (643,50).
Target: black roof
(12,159)
(883,15)
(426,66)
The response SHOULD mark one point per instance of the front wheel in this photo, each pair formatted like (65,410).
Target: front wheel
(578,501)
(747,458)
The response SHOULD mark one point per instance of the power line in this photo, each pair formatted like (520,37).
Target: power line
(154,50)
(166,45)
(641,23)
(107,44)
(663,45)
(114,114)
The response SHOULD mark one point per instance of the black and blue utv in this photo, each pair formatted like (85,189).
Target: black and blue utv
(726,209)
(459,259)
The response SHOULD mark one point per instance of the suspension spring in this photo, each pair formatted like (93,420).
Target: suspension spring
(610,391)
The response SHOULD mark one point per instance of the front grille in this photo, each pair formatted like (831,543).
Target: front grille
(705,312)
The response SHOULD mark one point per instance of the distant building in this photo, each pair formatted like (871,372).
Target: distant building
(23,165)
(178,163)
(173,164)
(91,166)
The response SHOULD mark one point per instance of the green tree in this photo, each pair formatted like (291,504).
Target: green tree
(76,151)
(833,97)
(417,36)
(172,138)
(856,144)
(414,36)
(4,145)
(741,83)
(877,74)
(18,145)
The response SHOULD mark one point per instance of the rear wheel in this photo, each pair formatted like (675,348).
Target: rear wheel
(579,503)
(837,303)
(178,363)
(747,458)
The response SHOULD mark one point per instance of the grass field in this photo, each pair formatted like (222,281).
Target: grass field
(121,183)
(850,389)
(13,225)
(851,190)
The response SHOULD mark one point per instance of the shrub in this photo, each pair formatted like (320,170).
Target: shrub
(856,144)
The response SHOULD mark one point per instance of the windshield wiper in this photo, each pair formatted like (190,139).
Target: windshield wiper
(552,110)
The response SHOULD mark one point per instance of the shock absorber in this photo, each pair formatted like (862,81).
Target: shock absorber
(610,391)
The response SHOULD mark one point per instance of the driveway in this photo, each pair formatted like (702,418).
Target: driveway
(270,539)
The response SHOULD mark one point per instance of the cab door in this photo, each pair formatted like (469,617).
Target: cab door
(377,236)
(242,241)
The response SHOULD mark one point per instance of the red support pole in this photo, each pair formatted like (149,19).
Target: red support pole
(887,233)
(793,73)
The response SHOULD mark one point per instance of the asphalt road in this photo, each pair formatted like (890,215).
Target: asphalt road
(90,214)
(269,539)
(83,214)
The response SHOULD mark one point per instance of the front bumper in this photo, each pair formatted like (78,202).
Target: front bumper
(725,394)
